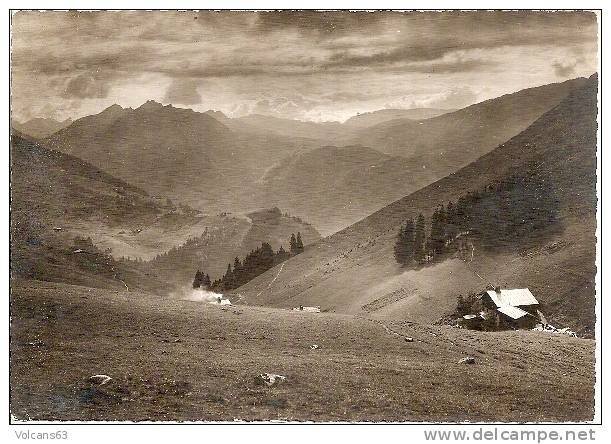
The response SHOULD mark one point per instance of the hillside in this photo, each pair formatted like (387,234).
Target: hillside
(57,198)
(59,201)
(335,186)
(355,267)
(186,361)
(216,164)
(40,128)
(220,243)
(179,153)
(453,140)
(258,123)
(366,120)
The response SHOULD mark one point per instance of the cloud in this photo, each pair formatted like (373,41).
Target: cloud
(85,86)
(184,92)
(295,106)
(271,61)
(322,24)
(562,69)
(566,68)
(452,99)
(446,67)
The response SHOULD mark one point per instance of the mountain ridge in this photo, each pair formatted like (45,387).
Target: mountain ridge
(355,267)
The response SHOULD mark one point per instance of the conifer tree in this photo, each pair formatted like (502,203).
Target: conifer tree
(228,279)
(197,282)
(237,272)
(293,244)
(281,255)
(399,249)
(419,239)
(404,246)
(436,242)
(206,283)
(299,243)
(267,257)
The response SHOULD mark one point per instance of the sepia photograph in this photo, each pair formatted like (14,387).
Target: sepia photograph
(328,216)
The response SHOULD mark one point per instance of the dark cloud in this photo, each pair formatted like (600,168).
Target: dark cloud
(454,32)
(136,42)
(325,24)
(123,58)
(86,86)
(183,92)
(267,56)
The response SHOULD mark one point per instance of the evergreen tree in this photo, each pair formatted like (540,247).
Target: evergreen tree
(237,272)
(451,225)
(197,282)
(293,244)
(404,246)
(299,243)
(436,242)
(419,239)
(228,279)
(206,282)
(266,257)
(399,249)
(281,255)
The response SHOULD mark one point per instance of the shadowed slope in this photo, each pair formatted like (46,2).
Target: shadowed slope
(355,267)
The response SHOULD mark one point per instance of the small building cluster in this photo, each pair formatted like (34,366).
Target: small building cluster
(505,309)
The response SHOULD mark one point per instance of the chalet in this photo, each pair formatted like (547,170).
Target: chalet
(516,308)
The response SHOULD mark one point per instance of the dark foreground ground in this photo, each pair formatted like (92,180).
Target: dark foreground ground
(180,360)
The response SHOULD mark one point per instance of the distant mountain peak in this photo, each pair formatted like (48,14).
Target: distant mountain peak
(113,109)
(214,112)
(150,105)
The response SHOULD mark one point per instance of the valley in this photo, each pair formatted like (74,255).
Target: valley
(355,266)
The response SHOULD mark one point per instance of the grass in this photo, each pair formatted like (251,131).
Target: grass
(179,360)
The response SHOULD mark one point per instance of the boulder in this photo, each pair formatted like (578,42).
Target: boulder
(269,379)
(100,379)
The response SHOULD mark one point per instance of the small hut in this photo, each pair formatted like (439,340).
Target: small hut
(515,308)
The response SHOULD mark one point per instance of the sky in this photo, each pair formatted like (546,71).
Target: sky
(308,65)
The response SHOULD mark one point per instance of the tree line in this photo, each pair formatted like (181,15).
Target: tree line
(255,263)
(512,212)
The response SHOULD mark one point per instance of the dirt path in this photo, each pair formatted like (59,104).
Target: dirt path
(273,280)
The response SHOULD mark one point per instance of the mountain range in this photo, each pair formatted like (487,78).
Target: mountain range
(57,199)
(354,270)
(39,128)
(215,163)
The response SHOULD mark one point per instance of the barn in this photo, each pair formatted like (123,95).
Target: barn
(512,308)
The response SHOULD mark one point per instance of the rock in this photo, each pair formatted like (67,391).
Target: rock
(407,339)
(100,379)
(467,360)
(269,379)
(314,346)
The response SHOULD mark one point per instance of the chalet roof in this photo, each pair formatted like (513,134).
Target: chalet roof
(513,298)
(512,312)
